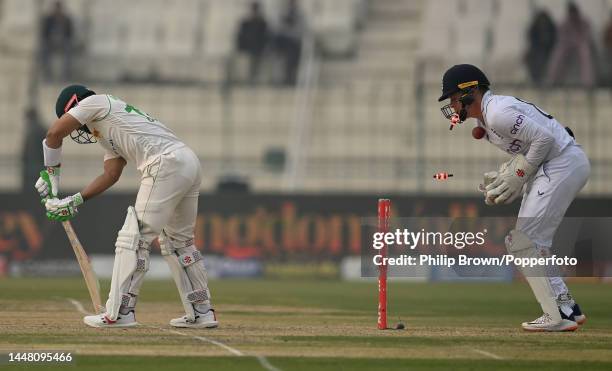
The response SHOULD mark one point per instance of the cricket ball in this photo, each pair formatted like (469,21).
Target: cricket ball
(400,326)
(478,132)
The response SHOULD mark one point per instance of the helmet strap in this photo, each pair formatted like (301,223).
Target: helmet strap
(462,114)
(466,99)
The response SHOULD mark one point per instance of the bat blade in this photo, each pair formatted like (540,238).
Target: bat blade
(93,286)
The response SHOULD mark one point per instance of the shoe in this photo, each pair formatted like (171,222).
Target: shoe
(546,323)
(206,320)
(100,320)
(567,302)
(576,315)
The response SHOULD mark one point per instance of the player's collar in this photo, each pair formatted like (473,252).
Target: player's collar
(484,101)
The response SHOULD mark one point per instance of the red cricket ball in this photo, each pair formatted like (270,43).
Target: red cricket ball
(478,132)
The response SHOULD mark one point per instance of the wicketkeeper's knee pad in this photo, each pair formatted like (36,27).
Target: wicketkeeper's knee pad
(131,264)
(520,245)
(187,268)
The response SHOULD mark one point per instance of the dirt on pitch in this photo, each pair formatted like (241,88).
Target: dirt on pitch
(286,331)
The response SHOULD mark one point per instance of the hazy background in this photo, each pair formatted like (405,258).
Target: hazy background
(342,111)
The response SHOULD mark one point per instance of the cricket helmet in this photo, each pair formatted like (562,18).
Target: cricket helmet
(69,97)
(463,79)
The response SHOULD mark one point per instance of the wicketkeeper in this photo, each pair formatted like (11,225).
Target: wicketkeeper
(548,169)
(165,208)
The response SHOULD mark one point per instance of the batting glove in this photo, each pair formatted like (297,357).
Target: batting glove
(64,209)
(509,184)
(47,184)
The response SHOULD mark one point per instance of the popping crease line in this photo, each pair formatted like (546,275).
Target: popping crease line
(234,351)
(78,306)
(266,364)
(488,354)
(263,361)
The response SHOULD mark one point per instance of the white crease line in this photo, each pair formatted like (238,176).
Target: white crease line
(488,354)
(261,359)
(266,364)
(78,306)
(234,351)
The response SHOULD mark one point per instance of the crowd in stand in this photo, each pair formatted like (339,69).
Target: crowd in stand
(557,54)
(255,39)
(56,40)
(566,54)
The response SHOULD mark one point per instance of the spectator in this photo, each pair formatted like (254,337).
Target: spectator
(31,156)
(542,36)
(574,40)
(253,38)
(56,38)
(607,43)
(289,41)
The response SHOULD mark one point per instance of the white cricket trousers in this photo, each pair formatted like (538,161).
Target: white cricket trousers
(168,196)
(547,198)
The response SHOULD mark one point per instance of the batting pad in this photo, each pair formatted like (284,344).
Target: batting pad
(189,274)
(131,264)
(520,246)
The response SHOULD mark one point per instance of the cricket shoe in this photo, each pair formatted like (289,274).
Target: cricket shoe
(546,323)
(576,316)
(101,320)
(569,309)
(202,320)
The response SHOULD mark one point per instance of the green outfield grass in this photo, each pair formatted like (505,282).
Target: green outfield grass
(105,363)
(307,325)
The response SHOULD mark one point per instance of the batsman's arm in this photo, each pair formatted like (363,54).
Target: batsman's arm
(48,185)
(112,172)
(60,129)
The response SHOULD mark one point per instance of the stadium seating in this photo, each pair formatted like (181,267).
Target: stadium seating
(17,18)
(374,122)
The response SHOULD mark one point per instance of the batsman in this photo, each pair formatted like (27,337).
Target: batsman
(165,207)
(547,169)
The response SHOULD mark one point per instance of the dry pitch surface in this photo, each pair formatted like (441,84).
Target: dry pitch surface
(302,325)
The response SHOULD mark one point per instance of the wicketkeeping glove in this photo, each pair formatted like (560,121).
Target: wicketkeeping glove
(64,209)
(47,184)
(488,179)
(509,183)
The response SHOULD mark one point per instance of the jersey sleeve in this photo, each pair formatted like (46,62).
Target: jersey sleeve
(515,125)
(91,109)
(109,155)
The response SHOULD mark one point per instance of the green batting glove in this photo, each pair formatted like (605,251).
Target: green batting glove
(64,209)
(48,183)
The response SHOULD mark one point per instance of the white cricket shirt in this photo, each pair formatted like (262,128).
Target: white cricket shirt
(125,131)
(516,126)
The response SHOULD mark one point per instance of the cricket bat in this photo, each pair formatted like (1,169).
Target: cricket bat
(93,286)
